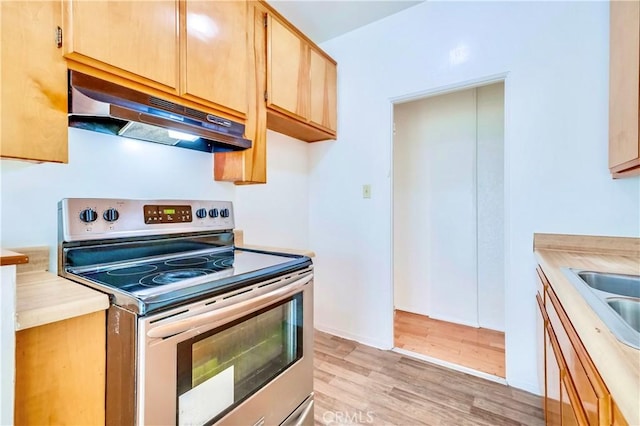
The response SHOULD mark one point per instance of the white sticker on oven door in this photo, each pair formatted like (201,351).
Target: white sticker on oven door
(202,403)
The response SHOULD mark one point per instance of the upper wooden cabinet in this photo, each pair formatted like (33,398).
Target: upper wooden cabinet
(215,46)
(250,166)
(193,49)
(291,90)
(287,70)
(33,92)
(136,37)
(301,84)
(624,89)
(323,76)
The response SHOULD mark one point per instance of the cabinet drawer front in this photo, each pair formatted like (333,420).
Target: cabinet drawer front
(543,284)
(591,391)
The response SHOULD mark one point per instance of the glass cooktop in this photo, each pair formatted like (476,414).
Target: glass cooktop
(159,276)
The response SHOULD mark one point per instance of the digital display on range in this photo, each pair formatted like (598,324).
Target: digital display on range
(154,214)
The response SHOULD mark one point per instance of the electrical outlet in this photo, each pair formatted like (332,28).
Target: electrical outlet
(366,191)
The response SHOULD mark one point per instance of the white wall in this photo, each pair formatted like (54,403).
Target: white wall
(105,166)
(277,214)
(556,108)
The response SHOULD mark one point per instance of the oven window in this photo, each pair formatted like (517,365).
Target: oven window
(219,369)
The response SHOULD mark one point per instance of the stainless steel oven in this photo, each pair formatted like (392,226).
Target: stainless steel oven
(198,332)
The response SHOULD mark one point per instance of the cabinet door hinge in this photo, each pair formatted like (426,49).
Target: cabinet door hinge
(58,37)
(266,96)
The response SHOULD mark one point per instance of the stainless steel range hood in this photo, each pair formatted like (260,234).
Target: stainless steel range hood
(105,107)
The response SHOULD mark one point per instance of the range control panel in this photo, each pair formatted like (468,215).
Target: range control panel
(167,214)
(98,218)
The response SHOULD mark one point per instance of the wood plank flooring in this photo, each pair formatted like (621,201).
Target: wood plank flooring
(477,348)
(357,384)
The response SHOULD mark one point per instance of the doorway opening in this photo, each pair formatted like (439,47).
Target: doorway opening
(448,228)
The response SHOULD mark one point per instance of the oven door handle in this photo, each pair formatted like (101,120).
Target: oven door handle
(228,313)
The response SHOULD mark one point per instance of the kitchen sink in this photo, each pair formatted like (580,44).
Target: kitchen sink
(615,298)
(623,285)
(628,308)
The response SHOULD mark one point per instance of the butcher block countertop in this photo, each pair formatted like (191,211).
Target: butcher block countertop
(8,257)
(239,243)
(617,363)
(43,297)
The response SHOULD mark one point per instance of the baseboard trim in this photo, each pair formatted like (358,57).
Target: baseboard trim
(452,366)
(360,339)
(533,388)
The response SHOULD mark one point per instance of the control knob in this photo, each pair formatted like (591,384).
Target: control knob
(110,215)
(88,215)
(201,213)
(213,213)
(224,212)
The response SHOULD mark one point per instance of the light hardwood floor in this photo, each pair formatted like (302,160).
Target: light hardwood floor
(477,348)
(357,384)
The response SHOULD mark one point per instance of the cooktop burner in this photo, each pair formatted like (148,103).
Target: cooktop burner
(155,273)
(132,270)
(172,276)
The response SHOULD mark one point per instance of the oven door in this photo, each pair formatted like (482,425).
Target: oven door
(243,358)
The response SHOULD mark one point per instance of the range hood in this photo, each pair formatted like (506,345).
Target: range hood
(105,107)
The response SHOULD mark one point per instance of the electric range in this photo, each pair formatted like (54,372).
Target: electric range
(198,331)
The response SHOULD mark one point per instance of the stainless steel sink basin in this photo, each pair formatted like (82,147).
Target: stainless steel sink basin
(623,285)
(628,308)
(615,298)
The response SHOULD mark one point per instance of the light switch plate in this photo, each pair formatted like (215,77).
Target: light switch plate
(366,191)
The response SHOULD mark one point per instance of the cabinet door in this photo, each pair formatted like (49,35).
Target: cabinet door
(553,410)
(250,165)
(34,83)
(569,417)
(215,44)
(624,85)
(138,37)
(322,76)
(60,372)
(287,70)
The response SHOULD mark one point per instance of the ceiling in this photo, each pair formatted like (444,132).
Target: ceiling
(322,20)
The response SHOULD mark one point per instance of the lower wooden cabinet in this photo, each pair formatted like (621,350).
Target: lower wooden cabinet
(553,386)
(575,394)
(571,413)
(60,372)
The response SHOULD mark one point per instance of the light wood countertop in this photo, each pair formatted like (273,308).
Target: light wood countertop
(43,298)
(239,243)
(617,363)
(8,257)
